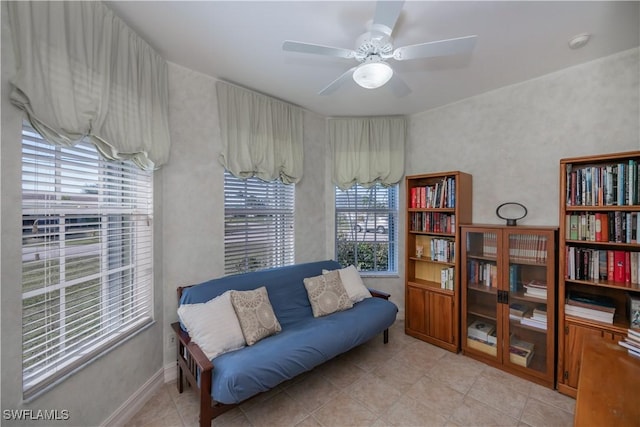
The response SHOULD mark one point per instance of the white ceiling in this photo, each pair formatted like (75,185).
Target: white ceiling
(241,42)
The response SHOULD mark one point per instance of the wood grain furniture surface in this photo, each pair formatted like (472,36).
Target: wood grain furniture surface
(608,386)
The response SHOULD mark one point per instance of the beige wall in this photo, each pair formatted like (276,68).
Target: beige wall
(98,390)
(193,234)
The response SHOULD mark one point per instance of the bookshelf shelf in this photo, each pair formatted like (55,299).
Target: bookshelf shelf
(437,204)
(599,253)
(497,286)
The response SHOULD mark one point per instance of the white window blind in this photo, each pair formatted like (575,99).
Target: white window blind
(86,257)
(367,228)
(258,224)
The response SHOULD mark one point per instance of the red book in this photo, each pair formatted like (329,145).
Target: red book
(627,267)
(414,196)
(618,266)
(604,226)
(610,266)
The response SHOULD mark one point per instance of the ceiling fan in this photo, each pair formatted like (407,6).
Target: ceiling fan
(375,47)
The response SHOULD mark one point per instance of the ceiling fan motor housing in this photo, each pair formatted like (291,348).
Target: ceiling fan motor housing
(373,44)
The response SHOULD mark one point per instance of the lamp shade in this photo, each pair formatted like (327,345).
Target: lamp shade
(372,75)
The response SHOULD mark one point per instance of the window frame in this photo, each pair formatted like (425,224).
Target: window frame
(392,212)
(263,217)
(73,198)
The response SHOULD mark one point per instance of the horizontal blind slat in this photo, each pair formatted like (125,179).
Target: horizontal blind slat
(87,255)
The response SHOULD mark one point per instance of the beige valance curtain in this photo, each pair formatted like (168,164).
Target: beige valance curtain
(261,136)
(367,151)
(82,72)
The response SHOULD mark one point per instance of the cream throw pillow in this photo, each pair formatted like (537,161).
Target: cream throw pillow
(327,294)
(353,284)
(255,313)
(213,325)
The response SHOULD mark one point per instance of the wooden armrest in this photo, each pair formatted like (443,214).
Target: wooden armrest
(194,350)
(379,294)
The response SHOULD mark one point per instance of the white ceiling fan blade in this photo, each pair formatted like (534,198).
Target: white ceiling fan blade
(387,13)
(317,49)
(398,86)
(437,48)
(334,85)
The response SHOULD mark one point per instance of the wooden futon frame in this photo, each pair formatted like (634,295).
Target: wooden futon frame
(193,365)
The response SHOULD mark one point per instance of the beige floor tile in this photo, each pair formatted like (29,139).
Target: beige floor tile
(498,396)
(398,374)
(435,395)
(517,384)
(409,412)
(552,397)
(312,392)
(475,413)
(374,393)
(457,371)
(344,410)
(280,410)
(309,422)
(540,414)
(340,372)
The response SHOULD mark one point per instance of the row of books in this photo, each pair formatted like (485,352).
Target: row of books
(447,278)
(615,184)
(482,273)
(535,289)
(598,264)
(593,307)
(529,248)
(520,351)
(535,317)
(439,195)
(632,342)
(481,335)
(433,222)
(443,250)
(618,227)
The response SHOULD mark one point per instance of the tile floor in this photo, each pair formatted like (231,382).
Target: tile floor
(404,383)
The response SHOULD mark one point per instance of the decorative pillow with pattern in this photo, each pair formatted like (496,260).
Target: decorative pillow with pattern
(327,294)
(255,313)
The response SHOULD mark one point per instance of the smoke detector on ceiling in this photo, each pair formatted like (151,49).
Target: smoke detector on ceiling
(578,41)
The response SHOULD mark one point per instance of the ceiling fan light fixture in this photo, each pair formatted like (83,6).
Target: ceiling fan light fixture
(372,75)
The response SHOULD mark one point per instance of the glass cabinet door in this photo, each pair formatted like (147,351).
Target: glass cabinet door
(482,275)
(527,325)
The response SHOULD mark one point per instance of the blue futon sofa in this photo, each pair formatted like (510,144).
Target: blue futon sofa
(304,342)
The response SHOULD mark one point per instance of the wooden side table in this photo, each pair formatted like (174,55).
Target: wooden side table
(608,386)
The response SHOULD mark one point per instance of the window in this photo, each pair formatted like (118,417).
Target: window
(258,224)
(366,228)
(86,257)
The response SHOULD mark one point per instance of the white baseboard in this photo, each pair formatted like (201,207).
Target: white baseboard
(170,372)
(136,401)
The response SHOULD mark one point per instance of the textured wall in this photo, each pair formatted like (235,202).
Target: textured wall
(193,235)
(99,389)
(511,139)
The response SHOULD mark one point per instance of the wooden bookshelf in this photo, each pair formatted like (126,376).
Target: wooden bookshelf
(437,204)
(499,266)
(599,214)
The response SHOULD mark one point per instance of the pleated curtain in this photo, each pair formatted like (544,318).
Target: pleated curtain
(81,72)
(261,136)
(367,151)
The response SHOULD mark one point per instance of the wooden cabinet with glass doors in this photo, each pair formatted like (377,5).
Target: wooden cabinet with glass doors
(508,298)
